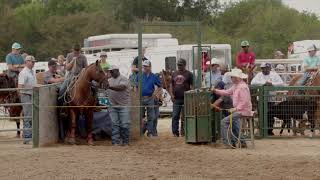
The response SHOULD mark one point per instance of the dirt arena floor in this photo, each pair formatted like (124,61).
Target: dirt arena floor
(164,157)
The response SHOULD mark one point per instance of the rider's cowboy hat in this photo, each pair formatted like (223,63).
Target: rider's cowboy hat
(237,73)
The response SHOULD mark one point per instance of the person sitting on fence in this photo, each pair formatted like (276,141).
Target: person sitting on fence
(135,69)
(241,107)
(15,62)
(310,64)
(245,59)
(267,77)
(119,97)
(51,75)
(27,79)
(213,75)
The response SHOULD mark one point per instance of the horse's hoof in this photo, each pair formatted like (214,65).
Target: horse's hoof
(90,142)
(71,141)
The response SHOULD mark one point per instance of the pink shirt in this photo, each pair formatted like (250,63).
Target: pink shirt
(245,58)
(240,96)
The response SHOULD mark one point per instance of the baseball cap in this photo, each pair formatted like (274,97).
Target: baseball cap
(52,63)
(245,43)
(263,65)
(312,48)
(113,67)
(30,58)
(146,63)
(103,53)
(182,61)
(16,46)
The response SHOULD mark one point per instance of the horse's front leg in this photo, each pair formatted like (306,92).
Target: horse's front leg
(89,120)
(73,115)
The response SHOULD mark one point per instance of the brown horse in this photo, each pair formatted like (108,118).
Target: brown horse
(10,97)
(314,82)
(81,95)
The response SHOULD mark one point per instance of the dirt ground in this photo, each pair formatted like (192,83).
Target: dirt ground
(164,157)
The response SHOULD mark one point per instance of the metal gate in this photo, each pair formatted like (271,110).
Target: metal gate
(11,103)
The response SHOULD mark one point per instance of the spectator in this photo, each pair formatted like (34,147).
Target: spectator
(310,64)
(61,66)
(15,61)
(27,79)
(103,58)
(241,107)
(279,55)
(119,97)
(149,81)
(51,75)
(213,76)
(135,69)
(267,77)
(182,81)
(245,59)
(74,65)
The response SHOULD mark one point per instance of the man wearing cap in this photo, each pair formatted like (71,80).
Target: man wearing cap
(245,59)
(51,75)
(149,81)
(182,81)
(74,65)
(15,61)
(241,107)
(213,76)
(27,79)
(310,64)
(119,96)
(267,77)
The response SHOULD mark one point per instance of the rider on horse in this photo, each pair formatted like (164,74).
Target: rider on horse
(311,64)
(15,62)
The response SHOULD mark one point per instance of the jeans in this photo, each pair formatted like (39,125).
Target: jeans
(27,112)
(157,115)
(225,122)
(177,110)
(151,116)
(120,117)
(304,79)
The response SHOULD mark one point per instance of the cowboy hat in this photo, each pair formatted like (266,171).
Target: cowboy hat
(237,73)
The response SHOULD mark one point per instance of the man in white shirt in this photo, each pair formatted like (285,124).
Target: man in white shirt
(267,77)
(213,76)
(27,79)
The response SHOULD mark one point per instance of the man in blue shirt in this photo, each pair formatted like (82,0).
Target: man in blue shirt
(149,81)
(310,64)
(15,61)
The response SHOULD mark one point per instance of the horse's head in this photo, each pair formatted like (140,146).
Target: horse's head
(95,72)
(166,77)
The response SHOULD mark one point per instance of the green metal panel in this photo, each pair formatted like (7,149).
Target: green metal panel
(198,117)
(35,117)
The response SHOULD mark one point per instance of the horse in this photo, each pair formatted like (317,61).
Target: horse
(314,81)
(10,97)
(81,94)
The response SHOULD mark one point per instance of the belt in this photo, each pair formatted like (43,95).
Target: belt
(25,94)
